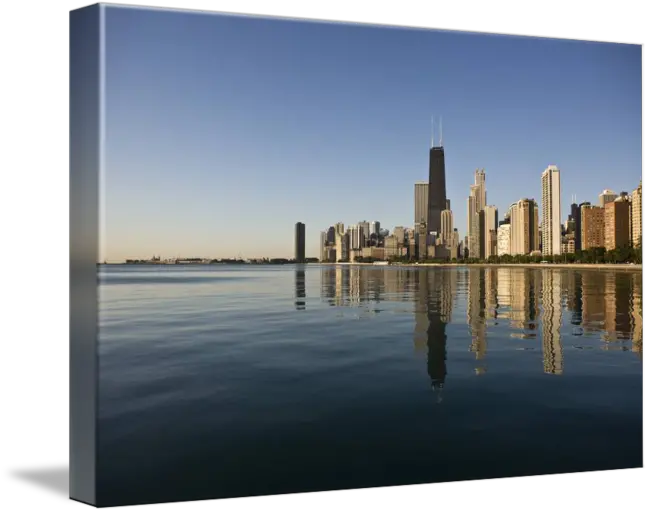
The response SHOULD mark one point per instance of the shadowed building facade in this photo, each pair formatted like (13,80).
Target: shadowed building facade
(436,189)
(299,242)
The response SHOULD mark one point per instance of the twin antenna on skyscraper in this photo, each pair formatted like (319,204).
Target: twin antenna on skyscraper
(433,132)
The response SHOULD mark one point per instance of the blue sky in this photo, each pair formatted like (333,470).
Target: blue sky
(222,132)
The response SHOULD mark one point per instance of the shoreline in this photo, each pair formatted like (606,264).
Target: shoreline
(600,267)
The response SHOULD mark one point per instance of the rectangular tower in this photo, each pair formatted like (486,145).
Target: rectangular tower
(436,189)
(551,195)
(617,224)
(592,227)
(299,243)
(490,230)
(421,204)
(636,216)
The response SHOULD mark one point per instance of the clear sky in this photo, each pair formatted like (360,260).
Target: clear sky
(222,132)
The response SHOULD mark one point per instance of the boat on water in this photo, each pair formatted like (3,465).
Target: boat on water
(381,263)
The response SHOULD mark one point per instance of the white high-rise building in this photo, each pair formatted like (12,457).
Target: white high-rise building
(475,203)
(607,196)
(503,245)
(514,239)
(551,203)
(636,215)
(365,227)
(446,222)
(356,237)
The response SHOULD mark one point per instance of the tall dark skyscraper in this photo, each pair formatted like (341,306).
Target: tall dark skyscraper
(575,216)
(436,187)
(299,242)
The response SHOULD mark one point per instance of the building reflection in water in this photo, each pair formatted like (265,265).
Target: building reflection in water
(636,324)
(300,289)
(433,308)
(476,313)
(575,297)
(328,284)
(542,307)
(618,297)
(593,289)
(551,321)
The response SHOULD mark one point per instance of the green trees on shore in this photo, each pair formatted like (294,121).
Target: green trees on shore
(622,255)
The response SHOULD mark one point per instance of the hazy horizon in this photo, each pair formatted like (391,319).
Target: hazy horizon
(224,131)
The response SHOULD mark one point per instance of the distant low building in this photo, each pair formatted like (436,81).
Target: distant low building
(374,252)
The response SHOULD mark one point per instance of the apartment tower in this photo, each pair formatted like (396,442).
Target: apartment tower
(475,203)
(636,207)
(446,228)
(503,244)
(617,224)
(490,230)
(607,196)
(551,195)
(299,243)
(578,240)
(592,226)
(421,204)
(524,236)
(323,252)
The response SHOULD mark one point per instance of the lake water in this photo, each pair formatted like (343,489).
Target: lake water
(225,381)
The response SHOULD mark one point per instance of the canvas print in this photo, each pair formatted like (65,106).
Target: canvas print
(311,256)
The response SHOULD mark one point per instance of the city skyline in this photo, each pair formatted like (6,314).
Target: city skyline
(197,160)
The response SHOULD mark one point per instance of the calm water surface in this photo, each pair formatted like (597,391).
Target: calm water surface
(224,381)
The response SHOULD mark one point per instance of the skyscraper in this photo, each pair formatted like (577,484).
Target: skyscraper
(436,186)
(299,243)
(421,203)
(481,237)
(365,227)
(475,203)
(607,196)
(551,195)
(592,226)
(575,212)
(524,237)
(617,224)
(490,230)
(636,207)
(323,252)
(481,197)
(503,239)
(471,223)
(446,228)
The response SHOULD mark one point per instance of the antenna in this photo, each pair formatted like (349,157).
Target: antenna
(432,133)
(440,131)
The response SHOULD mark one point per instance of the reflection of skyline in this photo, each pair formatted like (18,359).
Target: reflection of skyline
(300,289)
(476,308)
(636,315)
(551,322)
(534,304)
(434,298)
